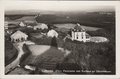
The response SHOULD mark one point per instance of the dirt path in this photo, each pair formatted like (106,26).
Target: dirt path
(16,62)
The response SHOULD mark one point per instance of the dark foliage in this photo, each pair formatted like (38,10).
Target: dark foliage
(10,52)
(54,42)
(41,41)
(25,55)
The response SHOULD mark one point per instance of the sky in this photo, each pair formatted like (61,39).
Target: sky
(57,6)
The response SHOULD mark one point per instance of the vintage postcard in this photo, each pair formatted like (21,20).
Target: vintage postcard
(49,39)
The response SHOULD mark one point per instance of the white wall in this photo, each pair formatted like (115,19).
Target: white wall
(80,34)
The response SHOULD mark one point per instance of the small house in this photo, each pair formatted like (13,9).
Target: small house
(18,36)
(41,26)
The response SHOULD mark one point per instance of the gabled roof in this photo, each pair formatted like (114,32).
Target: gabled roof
(52,33)
(18,34)
(22,23)
(87,34)
(78,28)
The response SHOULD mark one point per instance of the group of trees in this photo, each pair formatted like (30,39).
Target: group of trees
(93,56)
(10,52)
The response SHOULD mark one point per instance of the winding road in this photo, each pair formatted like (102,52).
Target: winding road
(16,62)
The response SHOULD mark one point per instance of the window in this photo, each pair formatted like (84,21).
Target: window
(87,36)
(77,36)
(82,35)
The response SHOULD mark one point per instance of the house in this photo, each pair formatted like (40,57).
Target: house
(78,33)
(22,24)
(18,36)
(41,26)
(52,33)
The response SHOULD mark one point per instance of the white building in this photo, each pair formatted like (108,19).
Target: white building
(79,34)
(18,36)
(41,26)
(22,24)
(52,33)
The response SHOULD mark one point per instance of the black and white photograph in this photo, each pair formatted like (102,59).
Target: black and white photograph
(59,39)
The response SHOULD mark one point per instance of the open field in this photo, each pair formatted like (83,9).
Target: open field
(92,19)
(70,25)
(50,55)
(10,52)
(38,49)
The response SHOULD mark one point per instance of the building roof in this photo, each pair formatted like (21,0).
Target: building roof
(18,34)
(78,28)
(22,23)
(52,33)
(41,25)
(87,34)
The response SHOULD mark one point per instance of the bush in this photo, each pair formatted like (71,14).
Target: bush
(92,56)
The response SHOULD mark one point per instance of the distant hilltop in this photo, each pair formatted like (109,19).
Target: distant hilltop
(27,12)
(36,12)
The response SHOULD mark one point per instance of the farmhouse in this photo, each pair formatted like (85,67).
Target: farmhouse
(41,26)
(18,36)
(79,34)
(52,33)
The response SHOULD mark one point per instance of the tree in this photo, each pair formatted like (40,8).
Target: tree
(54,42)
